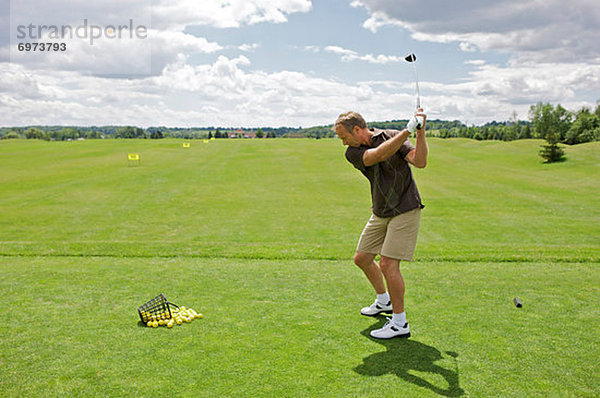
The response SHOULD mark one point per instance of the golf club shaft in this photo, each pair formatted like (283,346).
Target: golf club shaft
(417,84)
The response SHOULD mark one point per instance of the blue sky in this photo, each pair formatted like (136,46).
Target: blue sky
(299,62)
(335,23)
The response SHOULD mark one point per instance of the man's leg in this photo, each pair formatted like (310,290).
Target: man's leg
(390,267)
(365,261)
(399,243)
(370,242)
(397,326)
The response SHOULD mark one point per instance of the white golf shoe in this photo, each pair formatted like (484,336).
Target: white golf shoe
(376,308)
(390,330)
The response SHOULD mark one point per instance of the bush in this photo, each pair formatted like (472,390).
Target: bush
(12,135)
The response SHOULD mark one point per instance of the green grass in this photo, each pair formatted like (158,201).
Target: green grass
(258,235)
(297,198)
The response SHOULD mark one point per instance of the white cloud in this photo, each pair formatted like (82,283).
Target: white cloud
(248,47)
(166,36)
(550,31)
(223,93)
(528,82)
(475,62)
(125,56)
(551,45)
(349,55)
(467,47)
(225,13)
(507,89)
(180,42)
(380,19)
(168,45)
(228,93)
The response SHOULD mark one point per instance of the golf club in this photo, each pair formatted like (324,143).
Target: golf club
(412,58)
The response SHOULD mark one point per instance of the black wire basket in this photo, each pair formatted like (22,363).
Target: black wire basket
(156,309)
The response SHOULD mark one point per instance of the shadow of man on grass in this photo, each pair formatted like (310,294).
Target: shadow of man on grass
(402,356)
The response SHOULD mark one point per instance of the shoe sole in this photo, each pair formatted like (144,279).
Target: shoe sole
(377,313)
(406,335)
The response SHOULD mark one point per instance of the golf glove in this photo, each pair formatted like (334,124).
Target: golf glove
(414,123)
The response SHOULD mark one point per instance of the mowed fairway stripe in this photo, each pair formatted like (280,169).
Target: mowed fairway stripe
(296,198)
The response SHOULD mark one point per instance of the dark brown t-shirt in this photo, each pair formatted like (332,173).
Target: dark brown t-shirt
(393,189)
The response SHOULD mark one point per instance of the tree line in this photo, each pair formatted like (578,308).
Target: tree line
(545,120)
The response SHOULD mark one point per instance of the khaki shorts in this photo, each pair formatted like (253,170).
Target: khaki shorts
(393,237)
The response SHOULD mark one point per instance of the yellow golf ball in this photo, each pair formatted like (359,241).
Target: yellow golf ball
(149,324)
(155,324)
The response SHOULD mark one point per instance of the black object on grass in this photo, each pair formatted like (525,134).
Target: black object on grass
(155,309)
(517,302)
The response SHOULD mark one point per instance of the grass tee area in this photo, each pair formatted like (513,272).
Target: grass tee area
(258,235)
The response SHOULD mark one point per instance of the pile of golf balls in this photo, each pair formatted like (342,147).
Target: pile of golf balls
(178,317)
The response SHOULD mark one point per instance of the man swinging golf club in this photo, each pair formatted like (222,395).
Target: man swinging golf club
(383,156)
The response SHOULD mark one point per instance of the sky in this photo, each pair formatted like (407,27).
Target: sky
(295,63)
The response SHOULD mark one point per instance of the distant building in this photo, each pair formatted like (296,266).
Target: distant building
(239,133)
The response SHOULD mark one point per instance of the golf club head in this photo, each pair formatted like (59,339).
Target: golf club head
(412,58)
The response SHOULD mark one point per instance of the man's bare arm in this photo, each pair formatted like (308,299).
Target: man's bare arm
(418,156)
(384,151)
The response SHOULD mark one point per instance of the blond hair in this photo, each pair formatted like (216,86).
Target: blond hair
(349,120)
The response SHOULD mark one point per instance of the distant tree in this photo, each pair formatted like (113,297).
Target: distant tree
(130,132)
(124,132)
(93,135)
(259,133)
(210,135)
(156,135)
(585,128)
(540,115)
(546,117)
(510,133)
(33,133)
(66,133)
(513,130)
(551,152)
(563,118)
